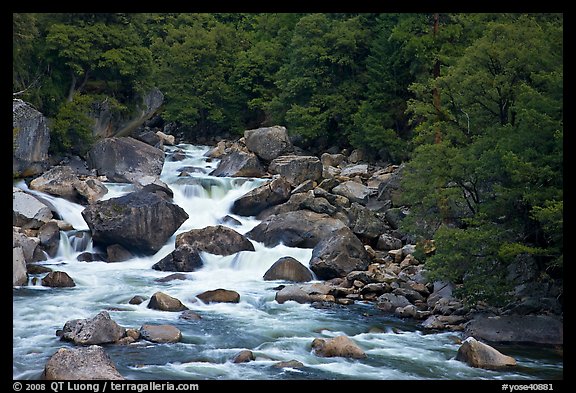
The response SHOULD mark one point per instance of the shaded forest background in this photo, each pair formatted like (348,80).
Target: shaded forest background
(471,103)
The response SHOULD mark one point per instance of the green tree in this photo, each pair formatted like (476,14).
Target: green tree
(499,166)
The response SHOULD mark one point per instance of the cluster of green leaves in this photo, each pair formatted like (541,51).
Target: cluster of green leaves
(492,187)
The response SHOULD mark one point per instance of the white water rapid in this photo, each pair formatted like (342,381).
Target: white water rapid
(395,348)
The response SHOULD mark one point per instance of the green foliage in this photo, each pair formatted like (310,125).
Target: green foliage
(499,163)
(71,129)
(470,258)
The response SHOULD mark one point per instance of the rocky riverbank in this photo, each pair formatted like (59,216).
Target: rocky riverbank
(345,209)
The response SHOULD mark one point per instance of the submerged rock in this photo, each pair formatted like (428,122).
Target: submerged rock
(160,333)
(244,356)
(58,279)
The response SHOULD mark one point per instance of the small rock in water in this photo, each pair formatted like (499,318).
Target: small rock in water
(171,277)
(190,315)
(244,356)
(136,300)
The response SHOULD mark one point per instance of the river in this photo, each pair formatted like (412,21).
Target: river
(396,349)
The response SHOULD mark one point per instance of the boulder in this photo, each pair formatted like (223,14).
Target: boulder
(59,181)
(365,222)
(244,356)
(289,269)
(58,279)
(166,139)
(533,329)
(268,142)
(389,302)
(160,333)
(239,164)
(272,193)
(355,192)
(340,346)
(388,242)
(19,275)
(136,299)
(389,189)
(219,296)
(355,170)
(30,245)
(219,240)
(301,228)
(148,136)
(85,363)
(100,329)
(117,253)
(480,355)
(31,139)
(394,216)
(289,364)
(296,169)
(172,277)
(28,212)
(183,259)
(339,253)
(163,302)
(189,315)
(125,159)
(305,293)
(90,189)
(141,221)
(334,160)
(319,205)
(49,235)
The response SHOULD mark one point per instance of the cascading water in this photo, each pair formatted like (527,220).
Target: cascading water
(395,348)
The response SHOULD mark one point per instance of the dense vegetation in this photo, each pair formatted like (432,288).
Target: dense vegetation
(473,103)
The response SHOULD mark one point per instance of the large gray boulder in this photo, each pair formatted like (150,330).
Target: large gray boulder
(296,169)
(28,212)
(269,194)
(85,363)
(19,275)
(338,254)
(534,329)
(301,228)
(339,346)
(141,221)
(183,259)
(125,160)
(356,192)
(219,240)
(31,139)
(239,164)
(480,355)
(59,181)
(100,329)
(289,269)
(268,143)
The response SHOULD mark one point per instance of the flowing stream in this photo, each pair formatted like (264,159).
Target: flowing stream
(395,348)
